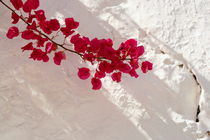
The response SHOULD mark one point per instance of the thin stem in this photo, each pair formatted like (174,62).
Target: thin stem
(55,35)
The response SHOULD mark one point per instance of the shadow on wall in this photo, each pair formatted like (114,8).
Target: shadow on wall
(90,25)
(156,105)
(143,101)
(154,110)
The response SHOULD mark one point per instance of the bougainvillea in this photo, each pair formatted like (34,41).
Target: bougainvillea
(41,33)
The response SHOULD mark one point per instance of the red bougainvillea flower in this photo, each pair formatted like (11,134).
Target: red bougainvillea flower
(29,46)
(117,76)
(45,58)
(17,4)
(15,18)
(103,66)
(133,73)
(75,39)
(12,32)
(102,46)
(45,26)
(29,34)
(89,57)
(54,24)
(71,23)
(40,15)
(41,41)
(110,68)
(29,5)
(135,52)
(106,49)
(131,43)
(39,55)
(50,47)
(30,18)
(134,63)
(66,31)
(94,45)
(140,51)
(26,7)
(100,74)
(125,68)
(34,4)
(80,43)
(83,73)
(49,26)
(36,54)
(145,66)
(32,26)
(58,57)
(96,83)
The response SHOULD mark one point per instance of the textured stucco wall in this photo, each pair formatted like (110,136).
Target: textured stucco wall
(44,102)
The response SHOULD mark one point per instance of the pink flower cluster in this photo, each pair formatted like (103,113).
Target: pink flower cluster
(114,62)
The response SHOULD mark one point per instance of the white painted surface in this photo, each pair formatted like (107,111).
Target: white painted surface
(43,102)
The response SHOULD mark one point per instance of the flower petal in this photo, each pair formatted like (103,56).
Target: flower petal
(83,73)
(12,32)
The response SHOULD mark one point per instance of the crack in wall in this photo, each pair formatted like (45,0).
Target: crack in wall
(165,49)
(197,82)
(200,90)
(197,114)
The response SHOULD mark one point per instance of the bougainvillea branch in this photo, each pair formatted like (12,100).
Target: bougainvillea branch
(38,31)
(41,33)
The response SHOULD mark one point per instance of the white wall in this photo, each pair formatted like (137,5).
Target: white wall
(44,102)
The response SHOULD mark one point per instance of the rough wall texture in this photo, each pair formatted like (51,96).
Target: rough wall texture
(44,102)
